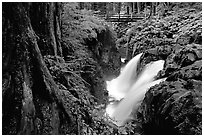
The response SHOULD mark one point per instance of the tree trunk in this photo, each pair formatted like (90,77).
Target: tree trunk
(32,102)
(145,8)
(118,7)
(151,10)
(132,7)
(45,20)
(138,7)
(154,8)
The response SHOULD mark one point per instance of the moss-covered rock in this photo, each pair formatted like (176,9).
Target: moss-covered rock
(174,106)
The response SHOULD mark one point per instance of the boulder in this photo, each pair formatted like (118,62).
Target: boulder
(181,56)
(175,105)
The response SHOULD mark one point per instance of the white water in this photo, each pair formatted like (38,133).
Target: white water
(123,60)
(132,88)
(118,87)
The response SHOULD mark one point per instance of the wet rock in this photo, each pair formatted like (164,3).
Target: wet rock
(193,71)
(182,56)
(153,54)
(105,50)
(174,106)
(183,40)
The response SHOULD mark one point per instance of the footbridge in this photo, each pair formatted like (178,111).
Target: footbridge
(123,17)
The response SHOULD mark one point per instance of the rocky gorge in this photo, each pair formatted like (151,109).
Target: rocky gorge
(56,59)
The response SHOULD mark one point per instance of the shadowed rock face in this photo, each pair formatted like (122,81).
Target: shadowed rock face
(175,106)
(110,59)
(107,58)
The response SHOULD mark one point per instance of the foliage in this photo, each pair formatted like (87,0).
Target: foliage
(182,26)
(79,27)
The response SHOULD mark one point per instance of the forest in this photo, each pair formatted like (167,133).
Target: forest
(101,68)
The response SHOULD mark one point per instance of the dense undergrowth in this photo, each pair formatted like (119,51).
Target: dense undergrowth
(179,25)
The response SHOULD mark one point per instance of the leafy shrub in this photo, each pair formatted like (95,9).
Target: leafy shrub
(182,26)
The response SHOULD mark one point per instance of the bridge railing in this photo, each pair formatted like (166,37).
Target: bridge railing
(121,16)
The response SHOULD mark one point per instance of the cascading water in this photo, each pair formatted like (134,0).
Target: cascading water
(118,87)
(131,88)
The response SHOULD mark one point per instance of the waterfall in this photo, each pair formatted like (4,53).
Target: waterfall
(118,87)
(129,88)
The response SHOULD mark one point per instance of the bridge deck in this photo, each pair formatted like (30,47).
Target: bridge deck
(122,17)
